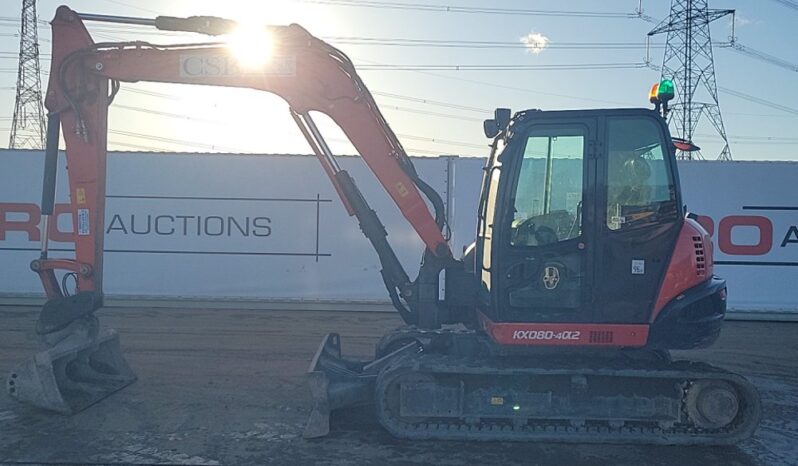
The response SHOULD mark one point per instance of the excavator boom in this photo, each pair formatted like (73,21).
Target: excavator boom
(308,73)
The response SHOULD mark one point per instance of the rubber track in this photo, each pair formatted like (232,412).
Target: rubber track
(555,430)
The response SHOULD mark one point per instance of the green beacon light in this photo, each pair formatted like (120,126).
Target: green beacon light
(665,91)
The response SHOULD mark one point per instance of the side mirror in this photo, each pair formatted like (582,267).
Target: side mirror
(490,128)
(502,117)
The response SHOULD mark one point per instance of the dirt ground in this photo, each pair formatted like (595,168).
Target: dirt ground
(227,387)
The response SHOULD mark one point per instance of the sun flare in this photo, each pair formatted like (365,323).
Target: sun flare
(251,44)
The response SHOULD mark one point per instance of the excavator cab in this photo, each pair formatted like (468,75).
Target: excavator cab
(583,239)
(579,213)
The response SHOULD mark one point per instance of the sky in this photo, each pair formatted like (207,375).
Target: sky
(437,112)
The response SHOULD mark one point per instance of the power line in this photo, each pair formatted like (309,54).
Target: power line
(173,141)
(762,56)
(757,138)
(428,113)
(166,114)
(473,44)
(753,140)
(443,141)
(15,71)
(757,100)
(470,67)
(382,106)
(12,19)
(431,102)
(465,44)
(130,5)
(408,42)
(14,34)
(136,146)
(152,93)
(429,43)
(440,8)
(16,54)
(759,115)
(788,3)
(513,88)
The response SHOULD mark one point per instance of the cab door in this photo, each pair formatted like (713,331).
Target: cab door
(544,244)
(639,215)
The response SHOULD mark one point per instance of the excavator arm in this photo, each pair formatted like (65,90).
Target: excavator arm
(80,363)
(309,74)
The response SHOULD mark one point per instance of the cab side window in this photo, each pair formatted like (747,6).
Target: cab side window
(640,189)
(548,194)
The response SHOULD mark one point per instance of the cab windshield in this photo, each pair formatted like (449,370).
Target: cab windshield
(640,188)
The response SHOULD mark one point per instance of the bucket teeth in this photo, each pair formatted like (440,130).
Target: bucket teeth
(72,375)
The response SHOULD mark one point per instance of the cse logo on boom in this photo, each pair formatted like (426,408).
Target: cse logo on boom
(224,66)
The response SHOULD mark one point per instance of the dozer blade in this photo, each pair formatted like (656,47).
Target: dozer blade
(337,383)
(73,374)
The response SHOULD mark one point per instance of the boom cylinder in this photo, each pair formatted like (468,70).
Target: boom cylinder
(50,163)
(50,175)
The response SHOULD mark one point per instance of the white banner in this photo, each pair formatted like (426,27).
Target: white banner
(272,227)
(199,225)
(751,209)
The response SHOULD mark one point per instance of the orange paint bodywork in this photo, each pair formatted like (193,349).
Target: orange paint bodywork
(565,334)
(691,264)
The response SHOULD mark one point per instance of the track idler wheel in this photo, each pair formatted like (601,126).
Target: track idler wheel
(712,404)
(399,394)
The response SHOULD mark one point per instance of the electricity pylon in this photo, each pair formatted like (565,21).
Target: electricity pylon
(27,127)
(689,63)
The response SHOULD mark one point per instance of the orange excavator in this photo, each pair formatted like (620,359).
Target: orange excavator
(555,325)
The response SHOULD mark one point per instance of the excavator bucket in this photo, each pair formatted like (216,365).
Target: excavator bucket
(69,378)
(79,366)
(336,382)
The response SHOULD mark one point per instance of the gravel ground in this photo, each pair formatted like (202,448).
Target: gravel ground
(227,387)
